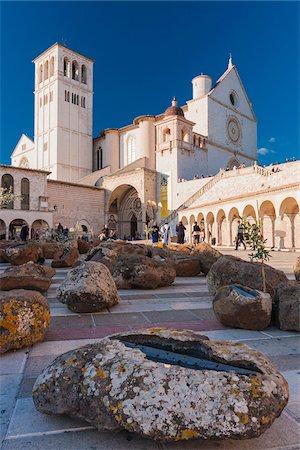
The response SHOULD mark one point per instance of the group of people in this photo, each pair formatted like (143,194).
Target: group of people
(106,233)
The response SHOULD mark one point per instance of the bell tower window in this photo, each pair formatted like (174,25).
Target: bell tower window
(131,153)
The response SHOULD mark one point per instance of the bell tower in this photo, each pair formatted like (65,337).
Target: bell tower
(63,113)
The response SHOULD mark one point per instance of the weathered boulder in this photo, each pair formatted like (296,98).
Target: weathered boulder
(240,307)
(52,250)
(24,253)
(166,385)
(88,288)
(207,256)
(67,259)
(24,318)
(3,257)
(137,271)
(297,269)
(231,270)
(83,246)
(27,276)
(286,306)
(187,266)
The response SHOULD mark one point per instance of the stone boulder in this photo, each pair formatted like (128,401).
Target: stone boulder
(3,257)
(137,271)
(187,266)
(231,270)
(297,269)
(52,250)
(83,246)
(67,259)
(237,306)
(166,385)
(88,288)
(24,253)
(28,276)
(207,256)
(24,318)
(286,306)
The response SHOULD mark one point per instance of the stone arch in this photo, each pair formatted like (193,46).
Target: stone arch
(46,70)
(2,229)
(38,227)
(185,222)
(184,135)
(166,135)
(83,226)
(7,183)
(233,218)
(25,194)
(233,162)
(191,224)
(75,70)
(222,227)
(14,228)
(249,213)
(52,66)
(125,206)
(290,217)
(210,219)
(268,216)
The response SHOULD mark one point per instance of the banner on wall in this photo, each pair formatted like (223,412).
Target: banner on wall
(164,211)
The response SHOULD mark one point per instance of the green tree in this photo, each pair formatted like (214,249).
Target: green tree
(254,238)
(6,197)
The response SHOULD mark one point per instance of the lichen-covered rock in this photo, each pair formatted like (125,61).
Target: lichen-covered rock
(88,288)
(83,246)
(114,386)
(67,259)
(24,253)
(24,318)
(207,256)
(27,276)
(109,250)
(137,271)
(187,266)
(231,270)
(286,306)
(297,269)
(240,307)
(52,250)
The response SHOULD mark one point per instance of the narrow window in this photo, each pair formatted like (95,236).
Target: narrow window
(51,96)
(25,187)
(52,66)
(69,96)
(83,74)
(46,69)
(75,70)
(41,73)
(66,96)
(66,67)
(131,149)
(45,146)
(72,97)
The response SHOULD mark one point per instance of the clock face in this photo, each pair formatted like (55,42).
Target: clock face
(233,130)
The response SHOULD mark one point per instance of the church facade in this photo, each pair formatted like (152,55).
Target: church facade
(147,170)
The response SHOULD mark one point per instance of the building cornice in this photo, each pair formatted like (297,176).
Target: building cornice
(235,111)
(68,183)
(234,152)
(23,168)
(66,48)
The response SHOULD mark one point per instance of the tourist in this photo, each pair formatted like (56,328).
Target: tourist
(180,230)
(102,236)
(155,233)
(60,228)
(24,232)
(196,233)
(106,231)
(202,235)
(166,234)
(66,232)
(240,236)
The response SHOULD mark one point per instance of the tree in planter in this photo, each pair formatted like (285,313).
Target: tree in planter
(6,196)
(254,238)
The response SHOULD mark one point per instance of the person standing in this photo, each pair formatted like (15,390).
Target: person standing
(24,232)
(106,231)
(166,233)
(180,230)
(240,236)
(196,233)
(155,233)
(60,228)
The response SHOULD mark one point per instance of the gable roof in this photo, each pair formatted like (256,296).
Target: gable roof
(23,136)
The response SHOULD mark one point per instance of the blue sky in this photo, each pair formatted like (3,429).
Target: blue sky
(147,52)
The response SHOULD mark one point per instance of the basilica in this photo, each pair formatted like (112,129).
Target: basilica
(196,161)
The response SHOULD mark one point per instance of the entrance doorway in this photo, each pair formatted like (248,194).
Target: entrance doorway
(133,226)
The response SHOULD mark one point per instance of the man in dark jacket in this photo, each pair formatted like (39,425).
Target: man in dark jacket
(180,229)
(240,236)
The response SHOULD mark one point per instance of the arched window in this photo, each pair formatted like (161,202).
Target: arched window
(41,73)
(99,158)
(7,183)
(83,74)
(46,69)
(52,66)
(166,135)
(184,135)
(25,186)
(66,67)
(75,70)
(131,149)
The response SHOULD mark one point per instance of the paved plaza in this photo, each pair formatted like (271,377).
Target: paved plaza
(186,304)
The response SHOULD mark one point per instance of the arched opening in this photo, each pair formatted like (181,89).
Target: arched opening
(249,214)
(38,228)
(233,218)
(15,227)
(25,188)
(7,183)
(2,230)
(222,227)
(290,219)
(125,211)
(190,230)
(131,151)
(46,70)
(75,71)
(41,73)
(209,225)
(83,74)
(52,66)
(184,135)
(66,67)
(166,135)
(267,215)
(233,163)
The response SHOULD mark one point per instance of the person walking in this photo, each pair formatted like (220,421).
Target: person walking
(155,233)
(240,236)
(180,230)
(166,234)
(196,233)
(24,232)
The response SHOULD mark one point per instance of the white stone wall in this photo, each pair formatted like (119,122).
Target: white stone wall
(24,153)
